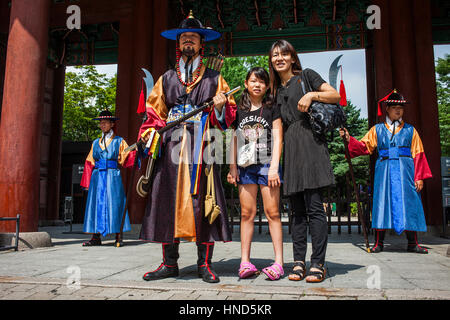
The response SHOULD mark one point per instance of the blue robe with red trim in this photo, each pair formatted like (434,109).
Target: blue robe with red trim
(106,197)
(396,203)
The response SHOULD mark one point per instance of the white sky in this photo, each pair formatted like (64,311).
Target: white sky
(353,67)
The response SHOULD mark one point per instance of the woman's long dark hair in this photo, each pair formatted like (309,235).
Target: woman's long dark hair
(260,73)
(284,47)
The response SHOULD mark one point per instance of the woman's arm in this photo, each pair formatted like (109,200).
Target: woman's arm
(277,136)
(326,94)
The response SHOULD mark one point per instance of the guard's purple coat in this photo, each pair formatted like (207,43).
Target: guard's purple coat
(159,219)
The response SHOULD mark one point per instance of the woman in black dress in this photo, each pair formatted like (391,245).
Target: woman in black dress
(306,161)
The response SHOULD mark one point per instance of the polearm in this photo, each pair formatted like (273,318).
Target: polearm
(183,118)
(355,189)
(149,86)
(130,185)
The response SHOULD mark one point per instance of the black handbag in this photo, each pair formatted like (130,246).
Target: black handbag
(323,117)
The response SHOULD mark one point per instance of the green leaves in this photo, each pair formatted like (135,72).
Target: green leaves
(86,94)
(443,95)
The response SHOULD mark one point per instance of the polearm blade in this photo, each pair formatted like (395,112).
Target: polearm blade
(149,82)
(184,118)
(333,72)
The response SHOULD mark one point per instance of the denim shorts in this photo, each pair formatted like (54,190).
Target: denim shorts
(256,174)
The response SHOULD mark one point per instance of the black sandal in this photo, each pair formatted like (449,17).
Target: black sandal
(318,275)
(298,274)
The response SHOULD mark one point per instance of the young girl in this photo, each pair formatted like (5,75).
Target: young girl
(307,166)
(101,176)
(258,122)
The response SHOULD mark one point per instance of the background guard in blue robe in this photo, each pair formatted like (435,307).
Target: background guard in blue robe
(400,170)
(101,176)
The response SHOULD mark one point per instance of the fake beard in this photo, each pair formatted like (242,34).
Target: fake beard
(188,52)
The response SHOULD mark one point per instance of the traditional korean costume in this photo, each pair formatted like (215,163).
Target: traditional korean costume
(401,161)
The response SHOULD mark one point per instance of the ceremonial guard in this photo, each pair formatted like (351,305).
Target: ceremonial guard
(101,176)
(400,170)
(176,200)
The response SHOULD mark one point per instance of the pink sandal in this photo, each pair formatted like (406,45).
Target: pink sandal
(247,269)
(274,272)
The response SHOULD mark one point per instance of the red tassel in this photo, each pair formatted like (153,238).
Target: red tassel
(141,106)
(380,113)
(343,95)
(379,110)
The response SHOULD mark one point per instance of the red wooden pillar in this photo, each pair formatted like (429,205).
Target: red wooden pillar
(403,58)
(20,127)
(428,118)
(140,46)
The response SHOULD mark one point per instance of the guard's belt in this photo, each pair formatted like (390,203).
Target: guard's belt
(394,153)
(104,164)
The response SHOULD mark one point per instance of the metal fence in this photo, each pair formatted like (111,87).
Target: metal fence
(16,240)
(340,207)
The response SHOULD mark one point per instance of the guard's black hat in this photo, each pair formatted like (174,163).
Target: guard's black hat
(106,115)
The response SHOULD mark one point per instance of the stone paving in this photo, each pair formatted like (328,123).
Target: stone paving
(68,271)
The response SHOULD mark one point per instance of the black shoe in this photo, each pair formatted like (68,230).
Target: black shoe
(377,248)
(162,272)
(95,241)
(169,266)
(416,248)
(413,244)
(207,274)
(379,239)
(204,268)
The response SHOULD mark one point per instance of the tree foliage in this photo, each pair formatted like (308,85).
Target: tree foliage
(443,95)
(86,94)
(357,128)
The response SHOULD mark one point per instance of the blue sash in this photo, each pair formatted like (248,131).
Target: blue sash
(103,164)
(393,153)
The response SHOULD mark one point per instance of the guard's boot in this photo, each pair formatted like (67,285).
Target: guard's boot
(413,245)
(379,241)
(95,241)
(169,266)
(205,271)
